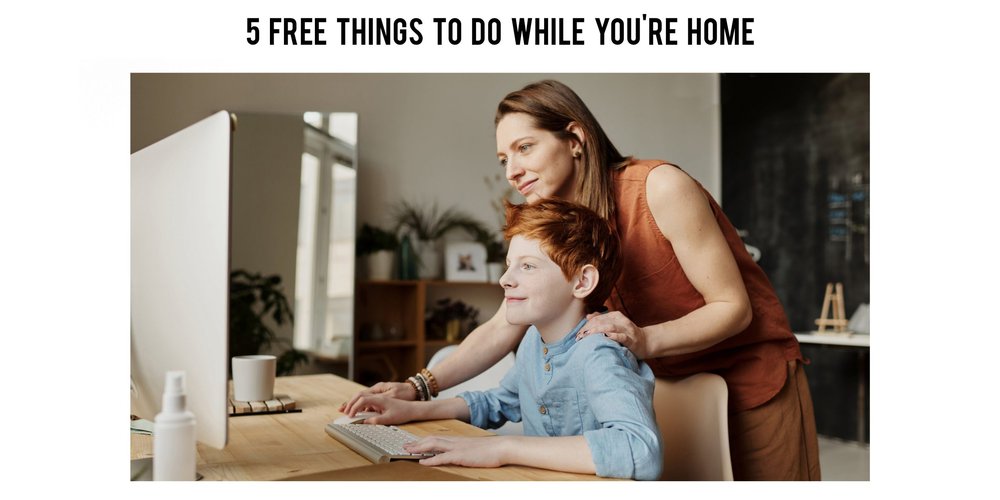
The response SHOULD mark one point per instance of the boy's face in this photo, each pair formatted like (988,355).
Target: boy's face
(535,290)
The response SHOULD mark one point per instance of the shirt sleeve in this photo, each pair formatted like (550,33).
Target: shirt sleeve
(495,407)
(619,390)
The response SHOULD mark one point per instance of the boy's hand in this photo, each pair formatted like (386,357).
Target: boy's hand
(619,328)
(464,451)
(391,410)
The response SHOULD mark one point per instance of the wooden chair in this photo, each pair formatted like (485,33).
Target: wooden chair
(692,413)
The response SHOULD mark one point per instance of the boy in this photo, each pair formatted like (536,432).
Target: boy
(586,405)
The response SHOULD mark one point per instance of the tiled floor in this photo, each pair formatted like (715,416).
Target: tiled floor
(843,460)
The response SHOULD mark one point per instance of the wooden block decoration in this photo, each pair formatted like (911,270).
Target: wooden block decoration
(280,403)
(241,406)
(286,401)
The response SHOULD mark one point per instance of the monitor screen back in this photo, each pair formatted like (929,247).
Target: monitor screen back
(180,232)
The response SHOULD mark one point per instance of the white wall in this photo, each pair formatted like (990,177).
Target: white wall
(267,159)
(427,137)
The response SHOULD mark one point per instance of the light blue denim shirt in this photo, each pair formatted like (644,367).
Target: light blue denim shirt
(594,387)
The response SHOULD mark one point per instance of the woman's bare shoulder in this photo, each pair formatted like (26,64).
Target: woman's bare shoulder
(669,190)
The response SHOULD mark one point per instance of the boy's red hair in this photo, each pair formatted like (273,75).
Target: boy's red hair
(573,236)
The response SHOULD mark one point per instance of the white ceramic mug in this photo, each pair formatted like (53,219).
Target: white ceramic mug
(253,377)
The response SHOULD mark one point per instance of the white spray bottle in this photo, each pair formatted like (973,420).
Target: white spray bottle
(173,434)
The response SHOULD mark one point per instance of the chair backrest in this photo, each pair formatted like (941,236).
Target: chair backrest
(486,380)
(692,413)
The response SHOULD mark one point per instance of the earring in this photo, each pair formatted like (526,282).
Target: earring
(576,154)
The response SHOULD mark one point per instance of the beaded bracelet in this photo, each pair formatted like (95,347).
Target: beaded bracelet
(433,381)
(427,386)
(421,393)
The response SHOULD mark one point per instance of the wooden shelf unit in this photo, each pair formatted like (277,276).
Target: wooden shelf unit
(398,307)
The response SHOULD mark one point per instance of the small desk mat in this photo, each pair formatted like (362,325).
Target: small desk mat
(403,470)
(280,404)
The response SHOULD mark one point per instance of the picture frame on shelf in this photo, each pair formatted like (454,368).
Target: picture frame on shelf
(465,261)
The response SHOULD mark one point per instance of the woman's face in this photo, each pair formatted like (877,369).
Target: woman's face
(537,163)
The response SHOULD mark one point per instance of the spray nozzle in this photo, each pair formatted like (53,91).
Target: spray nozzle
(173,392)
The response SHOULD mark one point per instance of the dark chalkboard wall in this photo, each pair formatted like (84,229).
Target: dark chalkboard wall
(795,154)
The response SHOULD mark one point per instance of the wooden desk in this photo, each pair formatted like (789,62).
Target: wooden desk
(270,447)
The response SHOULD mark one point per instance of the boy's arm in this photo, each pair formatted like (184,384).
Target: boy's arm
(620,393)
(566,453)
(491,409)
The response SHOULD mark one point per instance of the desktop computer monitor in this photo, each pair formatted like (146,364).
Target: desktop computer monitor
(180,234)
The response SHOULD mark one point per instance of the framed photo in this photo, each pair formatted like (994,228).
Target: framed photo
(465,261)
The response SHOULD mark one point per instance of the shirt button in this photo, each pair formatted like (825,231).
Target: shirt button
(547,367)
(542,410)
(545,350)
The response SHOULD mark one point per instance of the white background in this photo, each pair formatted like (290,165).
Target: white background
(64,195)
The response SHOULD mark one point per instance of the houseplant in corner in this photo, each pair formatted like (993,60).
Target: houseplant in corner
(256,301)
(377,247)
(427,226)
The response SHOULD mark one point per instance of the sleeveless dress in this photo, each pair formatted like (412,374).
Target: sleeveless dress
(653,289)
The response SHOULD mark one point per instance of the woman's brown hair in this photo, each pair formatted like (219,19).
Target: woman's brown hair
(553,106)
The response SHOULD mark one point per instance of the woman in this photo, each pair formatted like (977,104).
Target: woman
(689,299)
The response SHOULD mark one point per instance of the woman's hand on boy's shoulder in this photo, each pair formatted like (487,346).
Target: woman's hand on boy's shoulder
(616,326)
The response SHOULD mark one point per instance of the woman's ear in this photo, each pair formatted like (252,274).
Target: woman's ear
(575,129)
(586,281)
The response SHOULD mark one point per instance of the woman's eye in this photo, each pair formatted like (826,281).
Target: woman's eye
(527,267)
(524,147)
(503,163)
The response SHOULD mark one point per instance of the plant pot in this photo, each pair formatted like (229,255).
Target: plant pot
(380,265)
(494,270)
(430,260)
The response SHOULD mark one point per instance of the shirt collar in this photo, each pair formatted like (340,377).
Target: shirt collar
(566,342)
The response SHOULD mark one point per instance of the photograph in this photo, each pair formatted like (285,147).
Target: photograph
(465,261)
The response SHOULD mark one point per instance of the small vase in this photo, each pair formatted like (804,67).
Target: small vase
(430,260)
(380,265)
(452,329)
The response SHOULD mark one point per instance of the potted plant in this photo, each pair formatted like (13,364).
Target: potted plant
(376,246)
(427,226)
(254,302)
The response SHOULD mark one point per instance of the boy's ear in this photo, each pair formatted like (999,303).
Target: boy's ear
(585,282)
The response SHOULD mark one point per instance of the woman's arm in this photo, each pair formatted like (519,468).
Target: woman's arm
(396,411)
(480,350)
(685,218)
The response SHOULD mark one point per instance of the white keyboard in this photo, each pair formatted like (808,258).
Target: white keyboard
(377,443)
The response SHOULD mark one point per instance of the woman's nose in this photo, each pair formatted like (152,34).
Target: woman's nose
(513,170)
